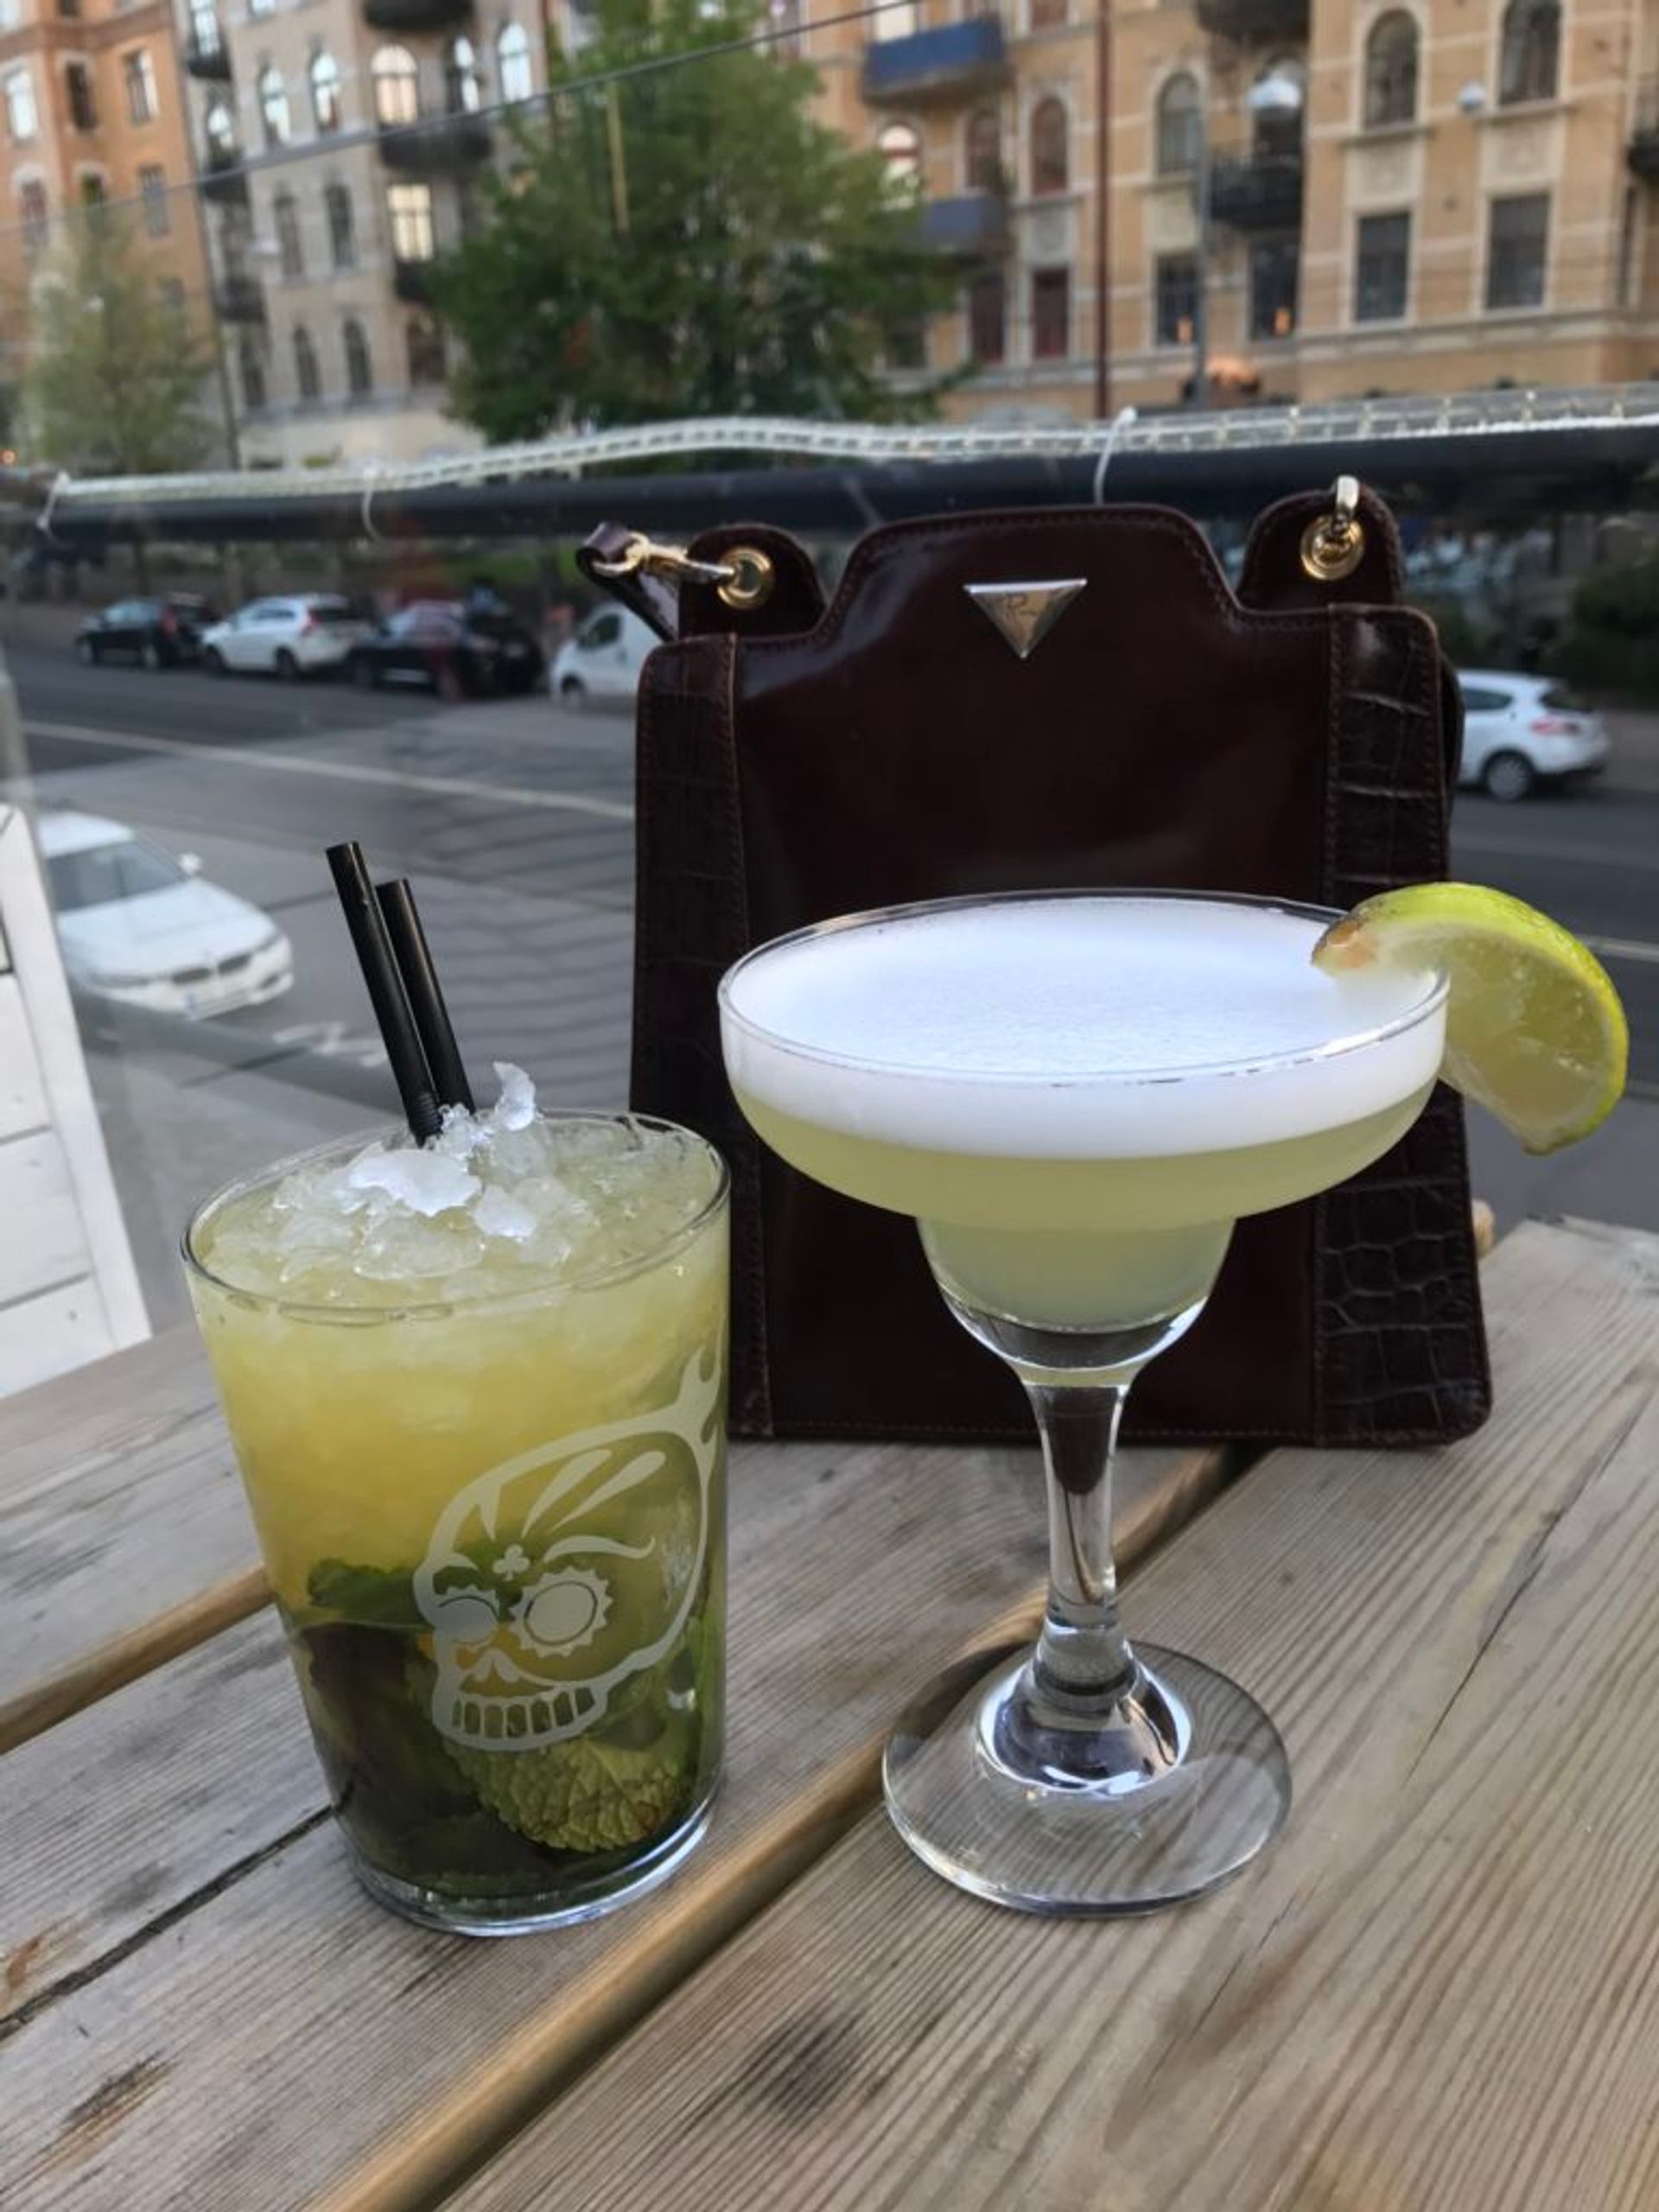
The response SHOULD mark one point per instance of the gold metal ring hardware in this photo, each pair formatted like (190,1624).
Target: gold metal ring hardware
(749,578)
(1333,546)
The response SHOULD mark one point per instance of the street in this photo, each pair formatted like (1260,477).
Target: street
(514,820)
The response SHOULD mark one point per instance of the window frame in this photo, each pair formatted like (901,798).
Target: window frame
(153,199)
(1380,76)
(1049,176)
(1165,115)
(1517,53)
(1167,335)
(1051,281)
(1358,296)
(1497,250)
(138,82)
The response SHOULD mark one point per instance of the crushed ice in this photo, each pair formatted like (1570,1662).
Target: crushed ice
(425,1182)
(505,1189)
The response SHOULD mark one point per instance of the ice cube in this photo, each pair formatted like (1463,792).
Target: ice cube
(425,1182)
(515,1108)
(499,1215)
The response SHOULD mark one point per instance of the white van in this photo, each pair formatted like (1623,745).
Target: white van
(604,658)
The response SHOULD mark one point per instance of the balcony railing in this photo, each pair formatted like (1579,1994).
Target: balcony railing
(972,227)
(222,177)
(416,15)
(1256,192)
(239,299)
(412,282)
(436,146)
(1643,151)
(950,63)
(206,55)
(1250,22)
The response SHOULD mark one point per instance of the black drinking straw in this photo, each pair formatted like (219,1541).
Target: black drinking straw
(385,986)
(425,993)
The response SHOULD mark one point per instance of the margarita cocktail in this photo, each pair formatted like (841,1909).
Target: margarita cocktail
(1076,1094)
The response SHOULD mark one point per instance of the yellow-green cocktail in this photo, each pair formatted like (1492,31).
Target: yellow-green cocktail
(477,1392)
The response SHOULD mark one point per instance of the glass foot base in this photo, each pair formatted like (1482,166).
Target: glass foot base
(1179,1791)
(521,1916)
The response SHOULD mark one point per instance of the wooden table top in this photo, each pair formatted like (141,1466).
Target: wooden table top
(1440,1989)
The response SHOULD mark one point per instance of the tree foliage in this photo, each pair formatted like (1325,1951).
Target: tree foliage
(116,382)
(685,240)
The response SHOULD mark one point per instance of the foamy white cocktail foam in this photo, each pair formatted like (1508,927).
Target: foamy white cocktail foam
(498,1202)
(1076,1028)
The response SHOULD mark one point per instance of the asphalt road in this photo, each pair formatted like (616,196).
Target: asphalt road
(514,820)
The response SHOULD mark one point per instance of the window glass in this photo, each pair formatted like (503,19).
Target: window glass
(1381,268)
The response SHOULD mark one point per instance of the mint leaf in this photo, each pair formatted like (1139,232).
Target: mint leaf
(374,1596)
(584,1794)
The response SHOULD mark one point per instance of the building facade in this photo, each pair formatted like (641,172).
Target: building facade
(93,113)
(1307,198)
(339,145)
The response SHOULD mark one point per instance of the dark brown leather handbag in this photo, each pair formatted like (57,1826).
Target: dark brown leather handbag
(1108,712)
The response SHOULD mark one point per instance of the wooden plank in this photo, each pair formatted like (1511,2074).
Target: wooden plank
(1441,1989)
(124,1535)
(199,1767)
(39,968)
(49,1334)
(185,2052)
(44,1244)
(22,1098)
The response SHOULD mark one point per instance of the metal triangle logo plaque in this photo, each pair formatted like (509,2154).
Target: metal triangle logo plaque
(1025,613)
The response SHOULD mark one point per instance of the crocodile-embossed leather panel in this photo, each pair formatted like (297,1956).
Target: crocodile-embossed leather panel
(1161,735)
(1402,1348)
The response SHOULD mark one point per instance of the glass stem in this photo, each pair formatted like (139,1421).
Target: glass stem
(1083,1661)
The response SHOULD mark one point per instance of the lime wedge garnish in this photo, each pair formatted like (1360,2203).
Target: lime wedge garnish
(1533,1028)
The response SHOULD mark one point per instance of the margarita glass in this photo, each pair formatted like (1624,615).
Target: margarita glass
(1076,1094)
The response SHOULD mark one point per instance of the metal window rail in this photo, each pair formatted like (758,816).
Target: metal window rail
(1464,415)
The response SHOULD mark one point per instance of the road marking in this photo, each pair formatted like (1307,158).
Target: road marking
(285,764)
(1623,948)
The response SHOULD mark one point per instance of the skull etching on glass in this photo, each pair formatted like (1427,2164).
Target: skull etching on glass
(552,1579)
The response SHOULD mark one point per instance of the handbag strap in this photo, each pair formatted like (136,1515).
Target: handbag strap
(745,577)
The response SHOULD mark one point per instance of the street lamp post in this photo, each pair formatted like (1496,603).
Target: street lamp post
(1275,94)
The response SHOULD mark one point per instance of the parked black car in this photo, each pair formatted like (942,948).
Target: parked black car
(461,653)
(158,633)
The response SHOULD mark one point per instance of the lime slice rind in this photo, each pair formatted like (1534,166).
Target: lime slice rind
(1535,1030)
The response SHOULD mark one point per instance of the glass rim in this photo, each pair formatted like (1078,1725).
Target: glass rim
(877,917)
(535,1291)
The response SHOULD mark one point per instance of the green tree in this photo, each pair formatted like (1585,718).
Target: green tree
(117,376)
(687,241)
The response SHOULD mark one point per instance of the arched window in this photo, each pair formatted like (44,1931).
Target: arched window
(273,105)
(983,151)
(306,373)
(512,70)
(324,91)
(251,368)
(396,85)
(1392,70)
(1180,126)
(1529,59)
(290,251)
(1049,168)
(900,149)
(219,126)
(462,94)
(426,357)
(342,225)
(359,369)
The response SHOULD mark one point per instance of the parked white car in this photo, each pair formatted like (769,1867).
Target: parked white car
(297,636)
(604,658)
(143,929)
(1520,731)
